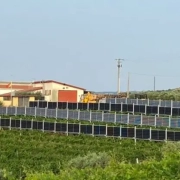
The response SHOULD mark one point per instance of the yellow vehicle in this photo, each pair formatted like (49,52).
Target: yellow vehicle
(90,97)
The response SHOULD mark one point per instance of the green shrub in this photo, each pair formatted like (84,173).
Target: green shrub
(166,169)
(4,175)
(42,176)
(90,160)
(170,148)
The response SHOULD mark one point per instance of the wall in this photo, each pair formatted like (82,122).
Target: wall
(31,98)
(23,101)
(5,103)
(54,87)
(47,98)
(62,87)
(45,86)
(3,91)
(54,95)
(8,90)
(15,101)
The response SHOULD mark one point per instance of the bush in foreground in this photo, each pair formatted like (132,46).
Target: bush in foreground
(91,160)
(166,169)
(40,156)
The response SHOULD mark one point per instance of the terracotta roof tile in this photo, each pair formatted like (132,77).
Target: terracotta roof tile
(15,86)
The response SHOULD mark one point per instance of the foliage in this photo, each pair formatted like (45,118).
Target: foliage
(23,152)
(163,95)
(167,168)
(38,95)
(32,155)
(42,176)
(170,148)
(29,93)
(1,103)
(4,175)
(90,160)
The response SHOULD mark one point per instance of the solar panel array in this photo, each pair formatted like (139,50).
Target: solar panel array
(131,108)
(90,129)
(163,103)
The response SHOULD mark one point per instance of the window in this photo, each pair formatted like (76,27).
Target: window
(47,92)
(7,98)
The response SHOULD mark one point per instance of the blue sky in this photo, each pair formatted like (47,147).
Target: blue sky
(77,42)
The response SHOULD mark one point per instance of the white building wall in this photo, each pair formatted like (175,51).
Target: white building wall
(54,87)
(4,91)
(64,87)
(45,86)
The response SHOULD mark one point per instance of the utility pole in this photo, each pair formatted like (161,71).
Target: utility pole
(119,65)
(154,83)
(128,85)
(11,92)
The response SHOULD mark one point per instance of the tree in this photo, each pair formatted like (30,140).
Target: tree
(1,103)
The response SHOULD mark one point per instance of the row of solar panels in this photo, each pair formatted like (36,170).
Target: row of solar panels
(95,130)
(132,108)
(163,103)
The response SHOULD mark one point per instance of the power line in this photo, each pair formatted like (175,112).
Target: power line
(157,75)
(149,61)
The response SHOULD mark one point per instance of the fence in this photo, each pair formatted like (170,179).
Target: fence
(131,108)
(162,103)
(93,116)
(94,130)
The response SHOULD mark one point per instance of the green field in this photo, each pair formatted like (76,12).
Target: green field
(34,155)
